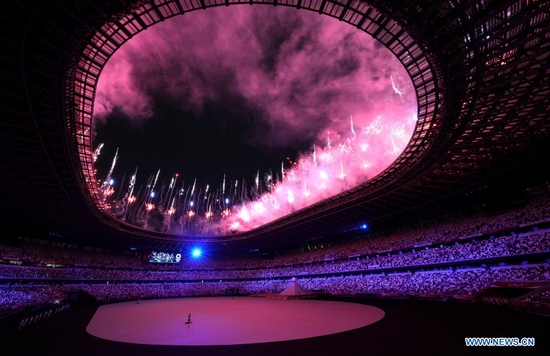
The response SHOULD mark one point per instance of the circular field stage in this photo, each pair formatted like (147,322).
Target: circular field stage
(226,320)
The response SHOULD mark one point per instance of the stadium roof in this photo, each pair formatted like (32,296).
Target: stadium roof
(480,68)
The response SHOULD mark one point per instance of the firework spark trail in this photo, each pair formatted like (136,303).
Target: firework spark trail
(108,178)
(155,181)
(351,124)
(172,187)
(236,192)
(148,190)
(107,190)
(193,189)
(243,191)
(131,187)
(395,89)
(186,199)
(97,151)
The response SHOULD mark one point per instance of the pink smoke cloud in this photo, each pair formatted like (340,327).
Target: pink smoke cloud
(308,75)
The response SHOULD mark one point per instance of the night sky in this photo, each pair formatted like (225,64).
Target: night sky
(240,90)
(221,140)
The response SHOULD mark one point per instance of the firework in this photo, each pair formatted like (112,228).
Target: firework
(320,171)
(353,137)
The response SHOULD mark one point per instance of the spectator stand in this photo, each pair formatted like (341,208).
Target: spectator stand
(536,301)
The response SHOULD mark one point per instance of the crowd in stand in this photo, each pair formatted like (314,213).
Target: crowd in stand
(356,267)
(68,255)
(533,242)
(449,282)
(539,296)
(447,229)
(24,295)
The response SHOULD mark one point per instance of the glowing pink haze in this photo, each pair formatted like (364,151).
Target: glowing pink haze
(318,77)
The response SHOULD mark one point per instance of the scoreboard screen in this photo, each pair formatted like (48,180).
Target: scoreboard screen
(164,257)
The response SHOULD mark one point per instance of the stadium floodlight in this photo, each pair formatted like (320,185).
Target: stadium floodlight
(196,252)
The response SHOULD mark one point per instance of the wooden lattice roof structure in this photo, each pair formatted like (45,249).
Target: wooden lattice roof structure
(480,68)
